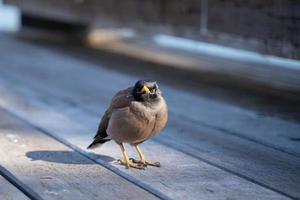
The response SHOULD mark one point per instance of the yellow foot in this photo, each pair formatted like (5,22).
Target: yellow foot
(145,163)
(131,164)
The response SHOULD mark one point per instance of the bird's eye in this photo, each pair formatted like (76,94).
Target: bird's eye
(140,90)
(153,90)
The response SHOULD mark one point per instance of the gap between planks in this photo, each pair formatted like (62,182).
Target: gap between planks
(33,195)
(229,170)
(9,190)
(237,118)
(128,177)
(55,143)
(19,184)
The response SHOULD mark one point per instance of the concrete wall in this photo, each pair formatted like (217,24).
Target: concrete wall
(273,23)
(266,26)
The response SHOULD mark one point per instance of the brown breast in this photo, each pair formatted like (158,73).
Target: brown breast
(137,123)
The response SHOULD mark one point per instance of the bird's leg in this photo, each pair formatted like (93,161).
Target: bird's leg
(143,161)
(128,163)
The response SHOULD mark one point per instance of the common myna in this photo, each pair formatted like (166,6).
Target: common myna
(134,115)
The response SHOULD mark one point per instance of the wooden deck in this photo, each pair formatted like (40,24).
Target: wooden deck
(50,105)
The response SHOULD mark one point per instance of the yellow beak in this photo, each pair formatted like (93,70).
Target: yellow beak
(145,89)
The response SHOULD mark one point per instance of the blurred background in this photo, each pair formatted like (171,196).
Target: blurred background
(269,27)
(234,47)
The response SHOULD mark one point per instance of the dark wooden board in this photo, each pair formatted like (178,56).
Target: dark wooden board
(54,171)
(9,191)
(72,95)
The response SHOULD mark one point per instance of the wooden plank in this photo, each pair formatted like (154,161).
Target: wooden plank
(278,182)
(181,175)
(242,158)
(267,130)
(53,170)
(222,150)
(62,113)
(10,192)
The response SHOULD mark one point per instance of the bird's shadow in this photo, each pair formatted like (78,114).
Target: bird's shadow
(66,157)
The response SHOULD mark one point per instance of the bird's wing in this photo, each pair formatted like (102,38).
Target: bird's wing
(122,99)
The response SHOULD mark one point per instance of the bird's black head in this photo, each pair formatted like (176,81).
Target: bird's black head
(146,90)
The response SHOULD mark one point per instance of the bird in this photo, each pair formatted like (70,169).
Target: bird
(135,114)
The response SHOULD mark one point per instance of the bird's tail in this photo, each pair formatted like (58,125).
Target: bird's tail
(98,142)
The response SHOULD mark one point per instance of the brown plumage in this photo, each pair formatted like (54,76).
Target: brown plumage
(134,115)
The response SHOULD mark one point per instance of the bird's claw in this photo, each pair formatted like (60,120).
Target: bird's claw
(131,164)
(138,162)
(145,163)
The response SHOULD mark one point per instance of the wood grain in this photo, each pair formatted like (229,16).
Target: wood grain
(72,95)
(9,191)
(54,171)
(86,86)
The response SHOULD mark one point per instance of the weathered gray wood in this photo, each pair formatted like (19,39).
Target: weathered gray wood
(82,84)
(53,170)
(62,113)
(10,192)
(181,175)
(228,151)
(241,157)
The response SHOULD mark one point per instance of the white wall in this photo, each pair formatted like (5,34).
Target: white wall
(9,18)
